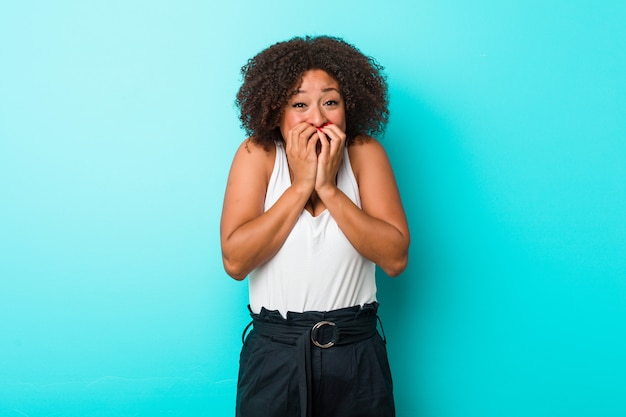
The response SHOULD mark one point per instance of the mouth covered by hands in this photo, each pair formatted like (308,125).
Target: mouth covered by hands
(314,154)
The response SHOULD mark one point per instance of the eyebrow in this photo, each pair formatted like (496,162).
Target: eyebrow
(324,90)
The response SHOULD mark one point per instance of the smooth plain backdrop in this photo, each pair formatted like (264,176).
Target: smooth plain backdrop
(508,140)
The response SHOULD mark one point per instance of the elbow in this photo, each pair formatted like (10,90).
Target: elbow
(234,270)
(396,265)
(398,259)
(396,268)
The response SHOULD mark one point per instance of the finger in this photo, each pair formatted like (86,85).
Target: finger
(293,135)
(313,140)
(333,131)
(302,131)
(335,136)
(324,141)
(322,135)
(299,137)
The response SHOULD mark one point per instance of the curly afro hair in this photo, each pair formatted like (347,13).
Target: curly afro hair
(270,78)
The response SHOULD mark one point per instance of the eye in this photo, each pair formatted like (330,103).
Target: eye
(332,103)
(298,105)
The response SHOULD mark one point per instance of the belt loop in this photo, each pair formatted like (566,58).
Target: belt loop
(243,335)
(382,329)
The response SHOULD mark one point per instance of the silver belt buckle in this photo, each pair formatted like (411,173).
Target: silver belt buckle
(314,331)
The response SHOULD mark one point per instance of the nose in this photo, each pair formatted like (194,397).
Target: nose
(317,117)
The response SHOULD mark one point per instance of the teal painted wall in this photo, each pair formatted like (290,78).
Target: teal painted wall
(508,138)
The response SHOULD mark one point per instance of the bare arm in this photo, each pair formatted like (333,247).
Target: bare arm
(379,231)
(249,235)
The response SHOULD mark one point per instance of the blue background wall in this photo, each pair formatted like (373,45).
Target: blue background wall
(508,129)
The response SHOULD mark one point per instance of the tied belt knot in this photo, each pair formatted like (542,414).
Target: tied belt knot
(316,330)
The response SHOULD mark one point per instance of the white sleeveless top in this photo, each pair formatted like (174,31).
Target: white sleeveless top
(317,268)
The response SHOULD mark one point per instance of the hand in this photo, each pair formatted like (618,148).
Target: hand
(332,140)
(300,146)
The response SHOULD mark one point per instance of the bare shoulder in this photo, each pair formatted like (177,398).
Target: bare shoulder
(375,178)
(247,184)
(367,154)
(254,159)
(252,150)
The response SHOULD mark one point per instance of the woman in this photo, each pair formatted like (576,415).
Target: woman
(311,206)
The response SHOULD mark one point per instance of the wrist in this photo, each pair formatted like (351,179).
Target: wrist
(327,191)
(303,189)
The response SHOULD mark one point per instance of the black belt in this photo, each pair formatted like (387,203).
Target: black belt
(349,325)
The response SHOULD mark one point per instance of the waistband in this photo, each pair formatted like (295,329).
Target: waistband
(319,329)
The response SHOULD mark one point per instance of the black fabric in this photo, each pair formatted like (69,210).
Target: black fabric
(282,374)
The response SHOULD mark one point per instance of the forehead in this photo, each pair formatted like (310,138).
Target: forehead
(316,80)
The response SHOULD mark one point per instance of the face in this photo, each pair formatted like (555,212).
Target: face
(317,101)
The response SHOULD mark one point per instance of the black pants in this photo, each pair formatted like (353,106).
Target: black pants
(346,380)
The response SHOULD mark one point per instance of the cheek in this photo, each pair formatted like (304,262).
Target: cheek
(339,120)
(338,116)
(289,120)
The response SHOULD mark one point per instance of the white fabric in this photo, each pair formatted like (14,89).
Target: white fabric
(316,269)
